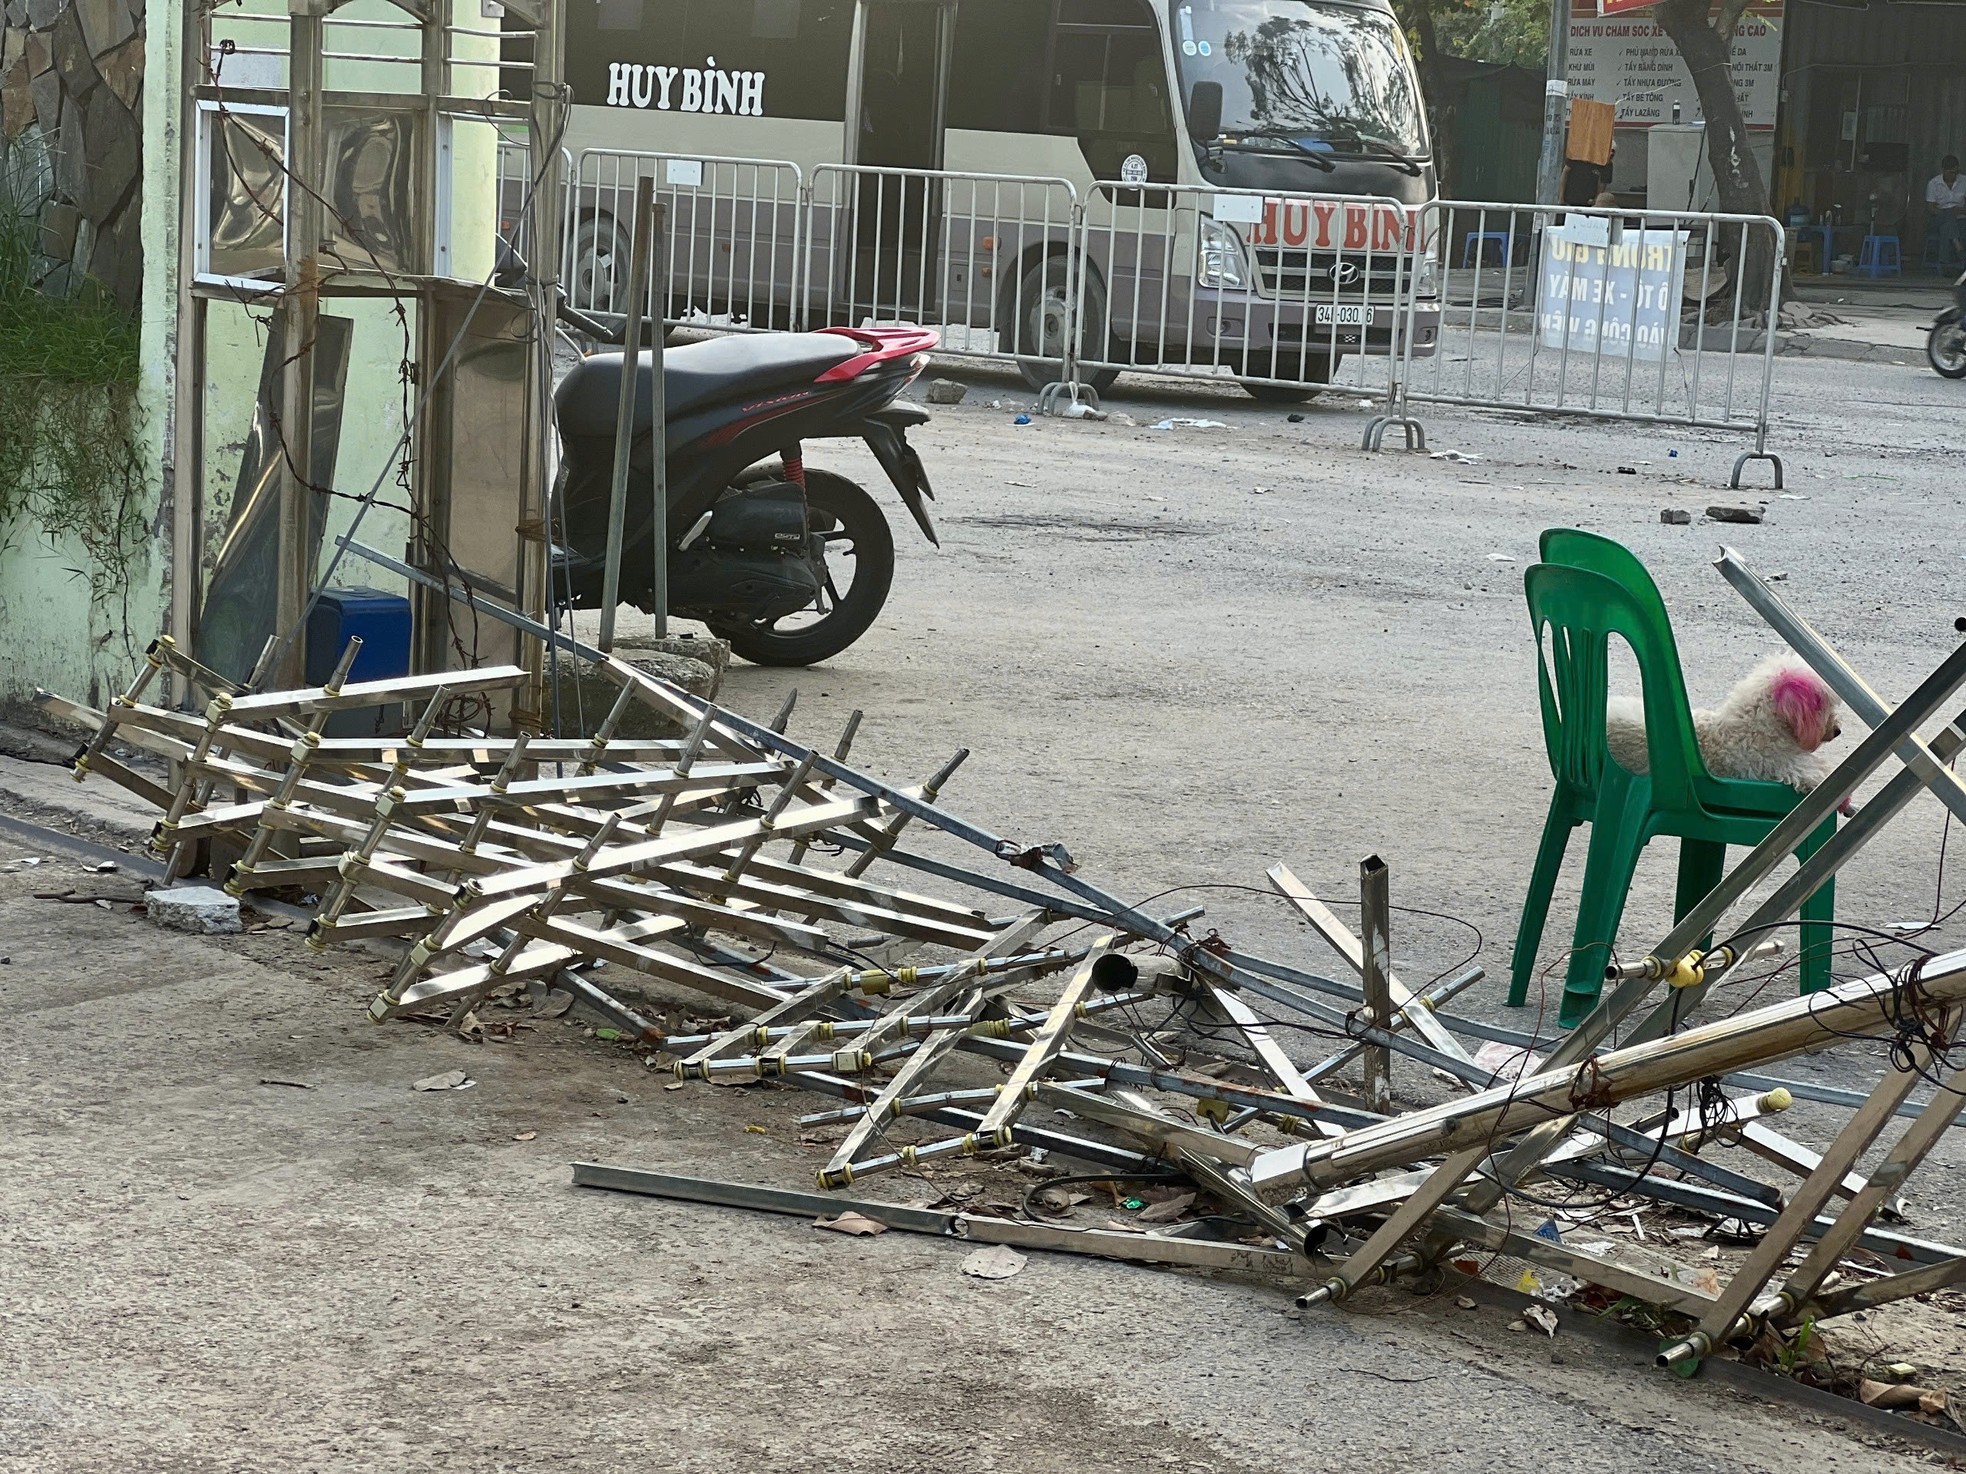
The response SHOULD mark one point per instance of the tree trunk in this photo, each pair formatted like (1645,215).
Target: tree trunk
(1706,46)
(1419,17)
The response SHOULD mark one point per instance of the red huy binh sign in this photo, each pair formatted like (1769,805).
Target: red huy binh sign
(1332,225)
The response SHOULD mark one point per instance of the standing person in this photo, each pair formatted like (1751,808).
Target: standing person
(1946,196)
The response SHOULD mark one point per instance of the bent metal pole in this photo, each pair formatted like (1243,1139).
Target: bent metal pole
(1796,1026)
(624,421)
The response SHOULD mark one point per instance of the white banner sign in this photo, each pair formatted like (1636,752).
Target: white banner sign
(1631,61)
(1617,297)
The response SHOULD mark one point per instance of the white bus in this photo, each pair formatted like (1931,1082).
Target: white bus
(1244,170)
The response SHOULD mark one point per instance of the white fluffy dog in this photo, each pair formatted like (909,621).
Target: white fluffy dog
(1772,726)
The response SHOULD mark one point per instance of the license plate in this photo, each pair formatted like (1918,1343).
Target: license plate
(1344,314)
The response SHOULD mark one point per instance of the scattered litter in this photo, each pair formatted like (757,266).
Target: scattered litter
(554,1005)
(1458,457)
(997,1262)
(1673,454)
(1501,557)
(526,1136)
(755,1131)
(1464,1302)
(200,909)
(106,867)
(1676,517)
(1541,1317)
(1627,470)
(1261,490)
(1189,424)
(449,1080)
(1795,496)
(1890,1395)
(1507,1061)
(857,1224)
(1294,417)
(1021,420)
(290,1084)
(1743,515)
(1078,409)
(609,1036)
(1168,1211)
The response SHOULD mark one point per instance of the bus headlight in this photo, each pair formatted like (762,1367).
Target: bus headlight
(1221,257)
(1426,277)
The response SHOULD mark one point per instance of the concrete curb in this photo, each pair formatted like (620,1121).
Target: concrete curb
(1850,350)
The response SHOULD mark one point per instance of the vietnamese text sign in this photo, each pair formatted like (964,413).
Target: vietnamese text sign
(1619,298)
(1629,61)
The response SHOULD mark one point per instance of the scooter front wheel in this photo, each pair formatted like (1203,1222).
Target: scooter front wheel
(1945,348)
(859,550)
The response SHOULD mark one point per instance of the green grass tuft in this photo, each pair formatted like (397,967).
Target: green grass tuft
(81,339)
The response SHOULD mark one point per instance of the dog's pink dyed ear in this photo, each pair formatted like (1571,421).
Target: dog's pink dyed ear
(1801,699)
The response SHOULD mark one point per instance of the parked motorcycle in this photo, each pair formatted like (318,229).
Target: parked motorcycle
(788,562)
(1945,344)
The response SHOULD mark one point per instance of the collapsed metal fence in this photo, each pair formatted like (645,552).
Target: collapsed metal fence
(1655,316)
(859,928)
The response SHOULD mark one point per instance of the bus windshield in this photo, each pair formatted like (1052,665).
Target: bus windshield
(1328,76)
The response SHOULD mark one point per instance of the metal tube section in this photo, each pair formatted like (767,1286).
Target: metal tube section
(624,425)
(658,432)
(1376,938)
(1859,1008)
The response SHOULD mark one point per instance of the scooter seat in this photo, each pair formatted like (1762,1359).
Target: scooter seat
(696,375)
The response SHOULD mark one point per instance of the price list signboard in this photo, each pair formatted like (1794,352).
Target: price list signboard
(1624,57)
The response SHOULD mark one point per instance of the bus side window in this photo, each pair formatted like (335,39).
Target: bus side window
(996,80)
(1109,86)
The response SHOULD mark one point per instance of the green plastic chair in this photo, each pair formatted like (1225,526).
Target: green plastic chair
(1588,591)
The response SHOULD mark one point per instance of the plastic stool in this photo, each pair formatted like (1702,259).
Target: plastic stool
(1880,257)
(1475,244)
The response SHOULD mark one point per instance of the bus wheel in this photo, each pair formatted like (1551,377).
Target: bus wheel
(600,264)
(1043,318)
(1315,373)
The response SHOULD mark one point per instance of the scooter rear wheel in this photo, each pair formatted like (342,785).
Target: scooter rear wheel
(857,538)
(1945,349)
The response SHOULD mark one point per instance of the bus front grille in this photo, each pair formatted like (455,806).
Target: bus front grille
(1302,276)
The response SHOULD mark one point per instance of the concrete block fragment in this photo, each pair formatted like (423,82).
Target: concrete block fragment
(946,391)
(202,909)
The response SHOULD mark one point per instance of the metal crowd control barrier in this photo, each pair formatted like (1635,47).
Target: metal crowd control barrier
(1641,315)
(986,259)
(1272,290)
(734,234)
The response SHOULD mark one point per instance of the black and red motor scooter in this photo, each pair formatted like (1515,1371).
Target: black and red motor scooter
(788,562)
